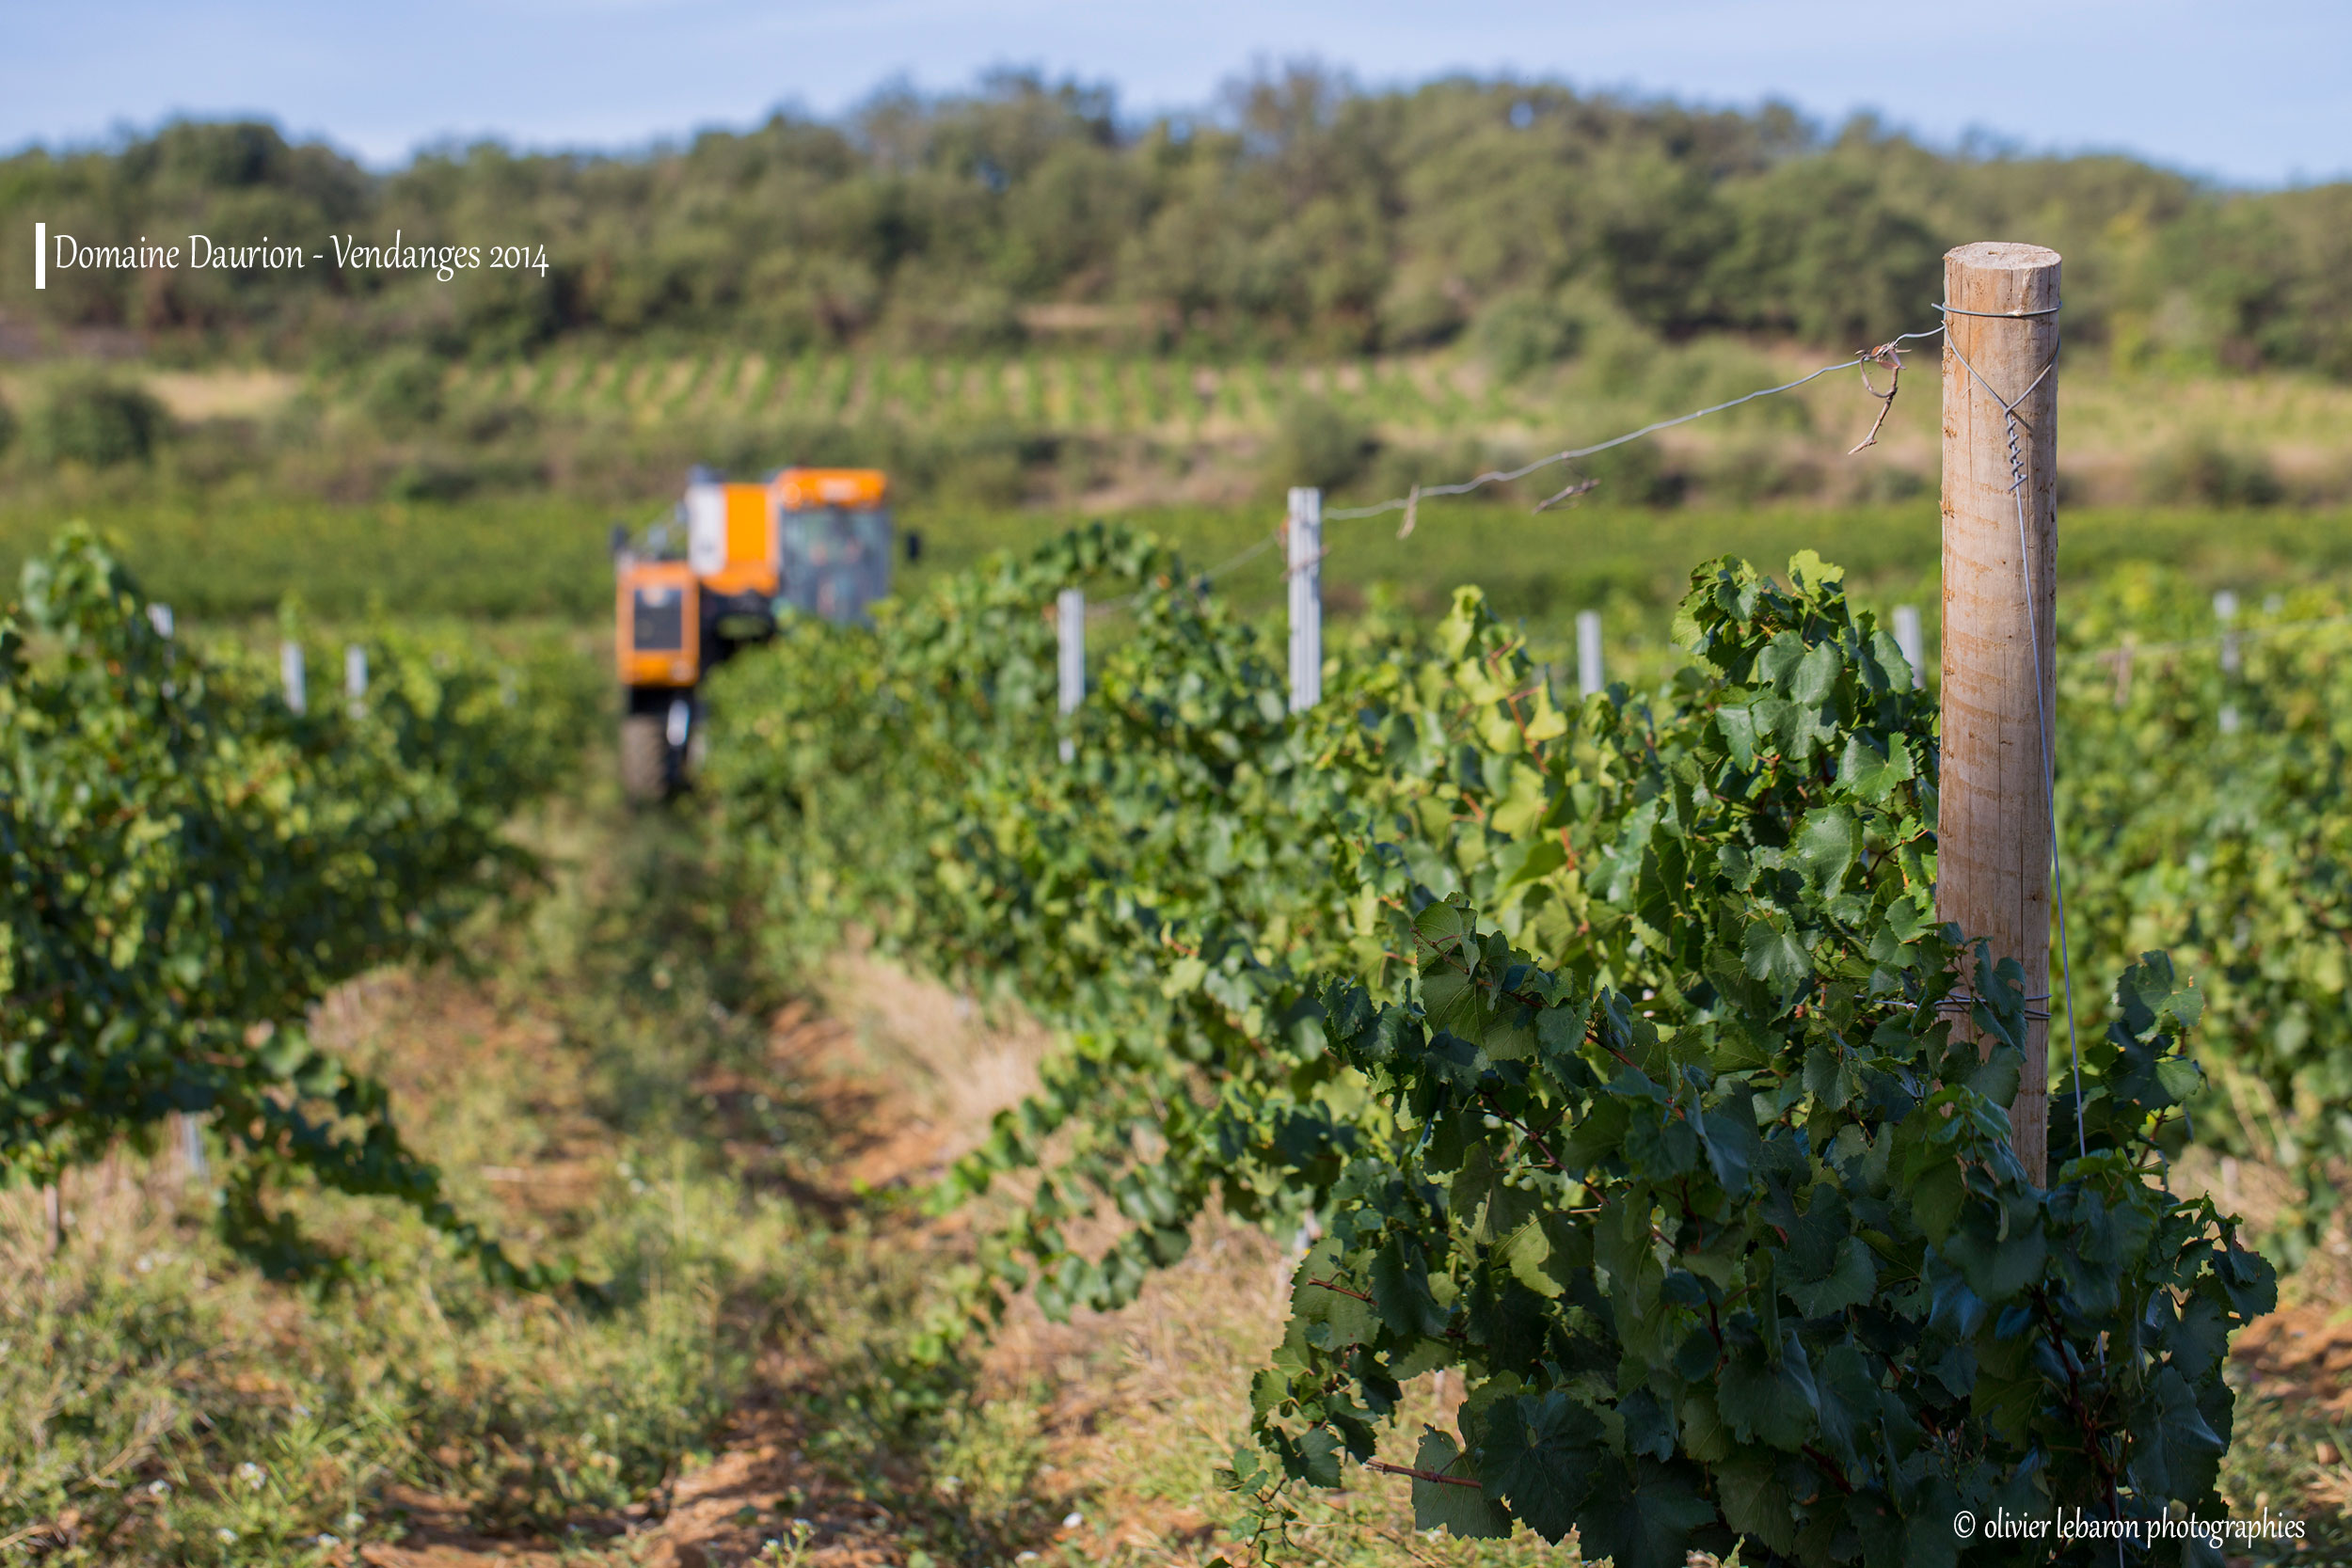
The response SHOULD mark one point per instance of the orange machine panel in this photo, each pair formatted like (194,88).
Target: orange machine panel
(854,489)
(659,624)
(750,543)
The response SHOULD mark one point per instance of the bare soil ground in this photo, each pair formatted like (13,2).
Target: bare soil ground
(1117,1412)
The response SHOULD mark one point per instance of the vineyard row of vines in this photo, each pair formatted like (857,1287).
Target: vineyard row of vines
(1108,393)
(191,865)
(1609,1051)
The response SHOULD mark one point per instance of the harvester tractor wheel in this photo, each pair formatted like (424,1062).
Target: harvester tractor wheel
(644,757)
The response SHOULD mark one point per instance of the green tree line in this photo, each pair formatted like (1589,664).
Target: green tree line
(1301,216)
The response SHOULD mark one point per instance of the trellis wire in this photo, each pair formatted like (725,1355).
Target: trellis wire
(1888,352)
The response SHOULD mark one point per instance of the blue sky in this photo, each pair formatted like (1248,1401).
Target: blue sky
(2251,93)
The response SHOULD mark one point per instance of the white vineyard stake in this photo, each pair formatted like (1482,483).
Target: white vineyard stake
(290,675)
(2225,609)
(1589,678)
(159,616)
(355,675)
(1072,628)
(1306,576)
(1915,649)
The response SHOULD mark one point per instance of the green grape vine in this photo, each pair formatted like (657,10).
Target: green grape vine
(1615,1051)
(190,866)
(2212,808)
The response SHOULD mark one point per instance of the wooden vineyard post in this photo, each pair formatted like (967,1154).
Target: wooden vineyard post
(2000,607)
(1305,584)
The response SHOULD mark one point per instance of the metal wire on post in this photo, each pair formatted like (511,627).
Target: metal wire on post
(1887,354)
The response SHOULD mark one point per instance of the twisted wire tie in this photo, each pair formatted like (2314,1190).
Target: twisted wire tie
(1961,1002)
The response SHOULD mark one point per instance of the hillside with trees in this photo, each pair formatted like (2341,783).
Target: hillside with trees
(1300,218)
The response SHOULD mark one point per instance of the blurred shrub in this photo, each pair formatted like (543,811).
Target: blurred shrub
(7,426)
(432,478)
(91,418)
(499,420)
(405,393)
(1318,444)
(1639,473)
(444,477)
(1755,472)
(938,320)
(991,467)
(1521,333)
(2209,472)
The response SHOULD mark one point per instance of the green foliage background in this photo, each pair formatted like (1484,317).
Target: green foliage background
(1302,214)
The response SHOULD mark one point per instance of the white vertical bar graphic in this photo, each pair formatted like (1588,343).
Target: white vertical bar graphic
(1589,678)
(40,256)
(290,675)
(1072,631)
(1915,650)
(1306,575)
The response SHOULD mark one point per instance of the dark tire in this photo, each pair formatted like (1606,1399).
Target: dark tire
(644,757)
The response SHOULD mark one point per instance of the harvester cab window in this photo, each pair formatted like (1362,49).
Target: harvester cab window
(658,620)
(836,560)
(821,537)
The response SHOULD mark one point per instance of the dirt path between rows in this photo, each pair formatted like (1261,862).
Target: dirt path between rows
(1131,1410)
(905,1077)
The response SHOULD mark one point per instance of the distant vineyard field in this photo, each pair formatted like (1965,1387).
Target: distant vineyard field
(2109,422)
(544,556)
(1098,394)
